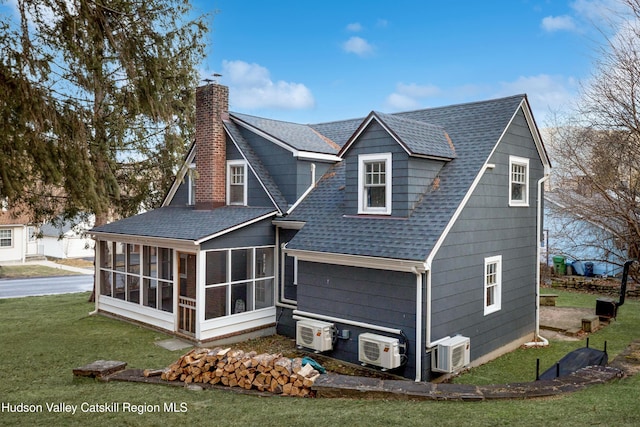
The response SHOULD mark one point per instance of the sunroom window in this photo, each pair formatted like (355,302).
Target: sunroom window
(238,280)
(374,184)
(126,269)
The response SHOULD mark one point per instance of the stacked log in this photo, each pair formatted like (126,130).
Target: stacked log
(235,368)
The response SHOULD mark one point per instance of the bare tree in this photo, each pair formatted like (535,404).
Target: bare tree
(600,147)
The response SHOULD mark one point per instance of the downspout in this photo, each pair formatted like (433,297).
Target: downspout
(418,323)
(538,340)
(96,263)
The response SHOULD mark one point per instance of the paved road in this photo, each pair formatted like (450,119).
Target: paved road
(15,288)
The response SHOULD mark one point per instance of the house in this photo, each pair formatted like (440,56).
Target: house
(405,241)
(66,239)
(18,237)
(22,240)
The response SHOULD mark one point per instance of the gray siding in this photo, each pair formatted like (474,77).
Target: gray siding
(181,197)
(256,194)
(259,234)
(411,176)
(487,227)
(279,162)
(378,297)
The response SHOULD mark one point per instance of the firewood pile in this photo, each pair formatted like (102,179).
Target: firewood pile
(235,368)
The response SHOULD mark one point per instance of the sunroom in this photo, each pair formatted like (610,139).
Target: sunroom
(210,288)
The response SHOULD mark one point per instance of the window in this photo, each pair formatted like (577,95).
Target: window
(6,238)
(137,274)
(238,280)
(374,183)
(236,183)
(492,284)
(518,180)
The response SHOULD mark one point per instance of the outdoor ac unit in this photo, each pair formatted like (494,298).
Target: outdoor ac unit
(451,354)
(379,350)
(314,334)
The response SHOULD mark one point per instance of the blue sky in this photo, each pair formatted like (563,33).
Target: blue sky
(312,62)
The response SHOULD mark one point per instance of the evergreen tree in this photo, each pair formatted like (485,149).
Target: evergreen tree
(99,103)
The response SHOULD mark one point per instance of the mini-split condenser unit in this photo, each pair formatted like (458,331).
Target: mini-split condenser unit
(379,350)
(314,334)
(451,355)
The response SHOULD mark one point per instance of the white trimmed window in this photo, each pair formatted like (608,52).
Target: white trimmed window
(518,181)
(492,284)
(374,183)
(236,182)
(239,280)
(6,238)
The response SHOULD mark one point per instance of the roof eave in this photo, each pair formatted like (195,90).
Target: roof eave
(379,263)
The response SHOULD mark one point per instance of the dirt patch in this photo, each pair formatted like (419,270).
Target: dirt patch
(629,359)
(73,262)
(287,347)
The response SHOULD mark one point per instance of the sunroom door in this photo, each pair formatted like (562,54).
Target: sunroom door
(187,293)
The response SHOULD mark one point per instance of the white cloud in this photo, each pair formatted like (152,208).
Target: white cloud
(558,23)
(354,27)
(251,87)
(547,94)
(398,101)
(597,10)
(358,45)
(408,96)
(418,91)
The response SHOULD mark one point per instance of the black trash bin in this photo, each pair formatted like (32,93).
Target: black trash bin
(588,269)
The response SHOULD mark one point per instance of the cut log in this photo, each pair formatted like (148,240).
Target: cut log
(154,372)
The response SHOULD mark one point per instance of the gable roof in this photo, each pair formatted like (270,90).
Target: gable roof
(418,138)
(475,129)
(255,164)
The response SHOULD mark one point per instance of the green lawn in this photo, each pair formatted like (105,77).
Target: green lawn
(24,271)
(43,338)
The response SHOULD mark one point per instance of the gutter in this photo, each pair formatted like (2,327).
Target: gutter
(418,323)
(538,340)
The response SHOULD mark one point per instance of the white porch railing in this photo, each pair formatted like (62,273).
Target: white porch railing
(187,315)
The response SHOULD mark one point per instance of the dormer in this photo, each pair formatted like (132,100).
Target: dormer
(391,162)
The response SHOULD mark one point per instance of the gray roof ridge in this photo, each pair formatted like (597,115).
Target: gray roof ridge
(240,115)
(461,104)
(306,138)
(401,113)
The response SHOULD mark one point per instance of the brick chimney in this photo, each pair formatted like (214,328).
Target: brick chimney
(212,106)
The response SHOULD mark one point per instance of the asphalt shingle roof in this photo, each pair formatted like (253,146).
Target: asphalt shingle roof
(474,129)
(297,136)
(419,137)
(184,223)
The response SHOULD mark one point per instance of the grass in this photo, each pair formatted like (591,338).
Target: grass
(520,365)
(26,271)
(43,338)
